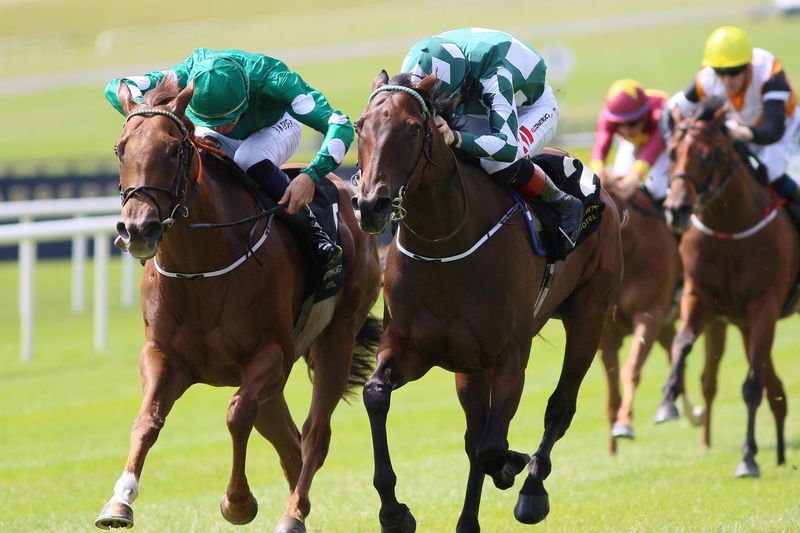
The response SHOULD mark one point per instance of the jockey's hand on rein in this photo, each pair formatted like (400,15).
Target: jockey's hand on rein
(299,193)
(448,134)
(738,131)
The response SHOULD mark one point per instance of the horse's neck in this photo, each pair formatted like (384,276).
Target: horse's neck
(742,202)
(443,204)
(199,250)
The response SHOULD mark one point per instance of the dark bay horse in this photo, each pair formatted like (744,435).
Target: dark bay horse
(460,288)
(645,297)
(234,326)
(740,254)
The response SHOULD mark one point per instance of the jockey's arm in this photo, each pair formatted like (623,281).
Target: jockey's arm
(311,108)
(501,143)
(777,93)
(603,137)
(686,100)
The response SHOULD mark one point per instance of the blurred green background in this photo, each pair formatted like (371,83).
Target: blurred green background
(57,55)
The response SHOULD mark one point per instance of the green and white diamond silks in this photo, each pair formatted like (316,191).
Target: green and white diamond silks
(273,91)
(501,73)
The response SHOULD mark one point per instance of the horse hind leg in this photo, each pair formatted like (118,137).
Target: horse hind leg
(162,385)
(262,377)
(583,322)
(715,348)
(609,354)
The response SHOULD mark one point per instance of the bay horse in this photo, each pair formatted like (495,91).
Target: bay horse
(643,308)
(463,298)
(740,255)
(236,328)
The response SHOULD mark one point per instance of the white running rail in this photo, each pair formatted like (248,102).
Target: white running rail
(82,223)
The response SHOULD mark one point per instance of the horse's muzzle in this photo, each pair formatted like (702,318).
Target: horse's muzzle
(373,213)
(139,239)
(678,217)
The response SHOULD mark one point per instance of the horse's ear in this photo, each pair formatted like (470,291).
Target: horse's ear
(125,97)
(427,84)
(719,114)
(381,79)
(183,99)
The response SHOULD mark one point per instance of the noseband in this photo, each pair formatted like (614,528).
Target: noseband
(702,192)
(178,190)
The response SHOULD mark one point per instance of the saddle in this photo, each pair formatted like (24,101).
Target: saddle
(571,176)
(320,285)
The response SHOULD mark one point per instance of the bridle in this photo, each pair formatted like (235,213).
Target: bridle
(703,193)
(398,211)
(177,192)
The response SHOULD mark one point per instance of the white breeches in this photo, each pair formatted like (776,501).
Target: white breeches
(658,178)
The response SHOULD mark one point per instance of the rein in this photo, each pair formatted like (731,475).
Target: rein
(178,190)
(770,214)
(398,211)
(701,193)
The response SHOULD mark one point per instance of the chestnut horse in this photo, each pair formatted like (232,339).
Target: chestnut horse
(740,254)
(644,301)
(232,326)
(463,298)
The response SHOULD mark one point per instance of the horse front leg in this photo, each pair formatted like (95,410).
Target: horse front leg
(262,378)
(646,325)
(715,348)
(394,516)
(584,327)
(695,314)
(610,344)
(758,343)
(473,393)
(162,384)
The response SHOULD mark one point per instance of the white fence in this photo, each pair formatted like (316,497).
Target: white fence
(84,221)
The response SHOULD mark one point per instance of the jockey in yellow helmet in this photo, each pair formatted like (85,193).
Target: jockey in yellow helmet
(763,105)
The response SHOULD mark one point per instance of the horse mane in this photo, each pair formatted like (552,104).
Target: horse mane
(440,104)
(708,107)
(165,91)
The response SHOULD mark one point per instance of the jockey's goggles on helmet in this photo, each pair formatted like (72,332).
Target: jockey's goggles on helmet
(730,71)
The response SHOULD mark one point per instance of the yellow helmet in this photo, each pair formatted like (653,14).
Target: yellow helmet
(728,47)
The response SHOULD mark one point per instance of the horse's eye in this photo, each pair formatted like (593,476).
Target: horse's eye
(119,151)
(358,125)
(173,151)
(415,130)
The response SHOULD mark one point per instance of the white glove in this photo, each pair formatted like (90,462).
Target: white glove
(738,131)
(444,129)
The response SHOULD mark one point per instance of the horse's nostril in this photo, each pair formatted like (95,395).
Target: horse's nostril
(122,231)
(354,200)
(382,205)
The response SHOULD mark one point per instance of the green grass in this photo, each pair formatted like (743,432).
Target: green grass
(65,418)
(76,123)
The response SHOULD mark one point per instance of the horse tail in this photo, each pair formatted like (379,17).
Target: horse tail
(364,353)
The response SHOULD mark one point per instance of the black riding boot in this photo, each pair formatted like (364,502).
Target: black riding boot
(303,223)
(786,187)
(524,176)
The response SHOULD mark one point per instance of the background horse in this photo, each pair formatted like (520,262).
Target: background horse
(644,300)
(237,328)
(740,256)
(465,301)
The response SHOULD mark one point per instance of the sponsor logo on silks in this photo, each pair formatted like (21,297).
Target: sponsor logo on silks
(283,125)
(541,121)
(527,139)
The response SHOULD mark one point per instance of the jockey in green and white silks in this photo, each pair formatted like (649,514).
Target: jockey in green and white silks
(254,106)
(507,111)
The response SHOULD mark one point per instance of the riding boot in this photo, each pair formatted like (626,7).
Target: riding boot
(303,223)
(787,188)
(532,181)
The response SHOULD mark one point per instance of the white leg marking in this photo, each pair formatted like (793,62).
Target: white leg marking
(126,489)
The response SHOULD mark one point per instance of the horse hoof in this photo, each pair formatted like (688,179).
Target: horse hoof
(666,411)
(621,430)
(240,513)
(748,468)
(401,522)
(115,514)
(287,524)
(532,508)
(468,523)
(514,464)
(695,415)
